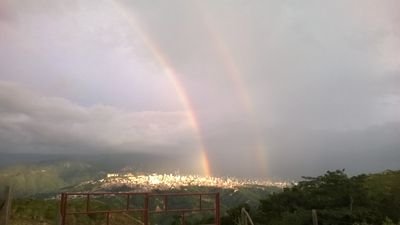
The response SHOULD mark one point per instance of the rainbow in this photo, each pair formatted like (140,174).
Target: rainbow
(235,75)
(173,77)
(244,96)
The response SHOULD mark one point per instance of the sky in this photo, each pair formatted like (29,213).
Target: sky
(275,89)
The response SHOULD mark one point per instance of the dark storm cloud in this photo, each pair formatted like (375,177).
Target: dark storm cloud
(315,151)
(292,152)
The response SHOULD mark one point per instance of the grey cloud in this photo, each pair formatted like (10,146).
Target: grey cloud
(315,151)
(87,53)
(292,152)
(31,122)
(310,64)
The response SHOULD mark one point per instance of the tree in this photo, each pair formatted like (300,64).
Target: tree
(336,196)
(234,214)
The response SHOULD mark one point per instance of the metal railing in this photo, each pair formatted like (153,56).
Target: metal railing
(147,205)
(245,218)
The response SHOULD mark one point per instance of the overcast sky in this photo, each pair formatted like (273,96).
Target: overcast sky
(281,88)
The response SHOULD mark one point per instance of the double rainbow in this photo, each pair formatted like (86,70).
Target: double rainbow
(231,68)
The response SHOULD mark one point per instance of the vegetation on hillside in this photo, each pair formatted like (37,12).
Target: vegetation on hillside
(38,210)
(48,178)
(337,198)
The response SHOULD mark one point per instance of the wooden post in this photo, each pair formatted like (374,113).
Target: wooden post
(6,210)
(146,209)
(217,209)
(314,217)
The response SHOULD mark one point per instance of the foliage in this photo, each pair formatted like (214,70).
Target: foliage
(234,214)
(33,211)
(44,211)
(338,199)
(45,178)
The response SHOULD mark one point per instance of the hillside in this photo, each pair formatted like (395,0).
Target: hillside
(46,178)
(371,198)
(337,199)
(35,185)
(40,174)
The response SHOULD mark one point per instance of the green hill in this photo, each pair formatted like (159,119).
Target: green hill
(337,198)
(45,178)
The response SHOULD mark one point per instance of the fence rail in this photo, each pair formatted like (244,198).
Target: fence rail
(144,208)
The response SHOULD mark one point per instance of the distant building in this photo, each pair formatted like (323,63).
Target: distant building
(112,174)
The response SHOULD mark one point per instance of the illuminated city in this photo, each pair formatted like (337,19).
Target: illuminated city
(176,181)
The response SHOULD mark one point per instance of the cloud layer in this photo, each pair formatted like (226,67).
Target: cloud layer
(30,122)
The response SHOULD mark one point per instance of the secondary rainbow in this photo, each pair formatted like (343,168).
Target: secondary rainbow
(235,75)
